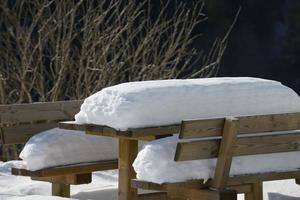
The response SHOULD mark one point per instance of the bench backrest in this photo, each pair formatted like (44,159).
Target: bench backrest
(234,136)
(18,122)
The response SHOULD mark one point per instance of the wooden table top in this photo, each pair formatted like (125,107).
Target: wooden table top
(134,133)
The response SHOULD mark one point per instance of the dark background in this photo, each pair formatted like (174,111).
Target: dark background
(265,41)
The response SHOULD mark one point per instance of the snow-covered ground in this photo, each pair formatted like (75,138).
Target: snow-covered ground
(104,187)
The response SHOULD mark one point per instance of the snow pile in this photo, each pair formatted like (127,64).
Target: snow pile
(155,163)
(163,102)
(56,147)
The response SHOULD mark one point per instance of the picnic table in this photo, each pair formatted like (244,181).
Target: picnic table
(128,148)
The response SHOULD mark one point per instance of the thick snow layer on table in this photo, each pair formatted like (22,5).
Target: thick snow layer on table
(104,186)
(56,147)
(155,163)
(163,102)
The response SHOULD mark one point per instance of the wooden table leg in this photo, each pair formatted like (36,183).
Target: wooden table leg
(62,190)
(127,153)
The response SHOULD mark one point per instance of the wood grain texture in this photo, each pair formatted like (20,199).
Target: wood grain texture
(244,146)
(260,177)
(247,124)
(256,192)
(233,181)
(196,184)
(22,113)
(61,190)
(27,107)
(165,186)
(153,196)
(21,133)
(71,179)
(136,133)
(69,169)
(19,122)
(205,194)
(128,150)
(225,154)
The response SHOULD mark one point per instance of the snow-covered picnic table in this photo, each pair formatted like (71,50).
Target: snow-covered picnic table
(148,110)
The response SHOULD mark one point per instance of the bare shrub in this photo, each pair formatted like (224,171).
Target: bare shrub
(55,50)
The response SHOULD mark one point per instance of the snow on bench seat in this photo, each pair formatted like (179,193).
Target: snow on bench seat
(155,163)
(56,147)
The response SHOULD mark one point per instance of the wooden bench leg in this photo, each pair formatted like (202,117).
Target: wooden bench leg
(62,190)
(256,193)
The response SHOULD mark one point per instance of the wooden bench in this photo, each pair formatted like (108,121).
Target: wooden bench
(19,122)
(231,141)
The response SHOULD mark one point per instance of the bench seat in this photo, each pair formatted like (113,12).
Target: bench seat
(232,181)
(61,177)
(80,168)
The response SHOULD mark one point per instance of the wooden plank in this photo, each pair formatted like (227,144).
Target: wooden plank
(240,189)
(127,153)
(80,168)
(139,133)
(198,184)
(268,144)
(23,117)
(233,181)
(260,177)
(20,134)
(25,113)
(72,125)
(93,129)
(41,106)
(247,124)
(71,179)
(145,185)
(196,150)
(201,128)
(115,135)
(159,130)
(61,190)
(205,194)
(225,154)
(167,186)
(153,196)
